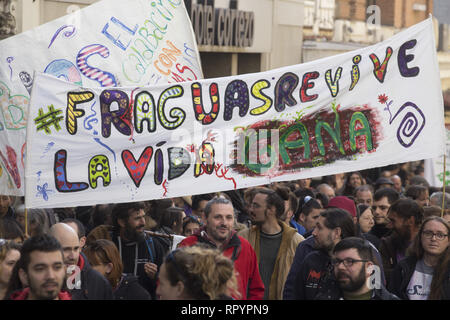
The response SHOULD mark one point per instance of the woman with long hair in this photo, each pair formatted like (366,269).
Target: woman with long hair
(196,273)
(9,255)
(353,181)
(425,273)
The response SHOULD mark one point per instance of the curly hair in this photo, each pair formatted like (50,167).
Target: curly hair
(205,272)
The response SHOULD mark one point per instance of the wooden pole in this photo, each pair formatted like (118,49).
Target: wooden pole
(26,222)
(443,188)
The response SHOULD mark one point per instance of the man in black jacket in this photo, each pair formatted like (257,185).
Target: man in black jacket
(405,217)
(356,274)
(315,278)
(83,282)
(382,201)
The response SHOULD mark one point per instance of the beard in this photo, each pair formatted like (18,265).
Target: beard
(41,293)
(132,234)
(326,246)
(352,285)
(401,239)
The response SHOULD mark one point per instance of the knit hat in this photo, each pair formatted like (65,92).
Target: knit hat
(343,202)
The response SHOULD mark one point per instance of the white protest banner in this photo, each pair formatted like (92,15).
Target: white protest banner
(109,43)
(371,107)
(434,168)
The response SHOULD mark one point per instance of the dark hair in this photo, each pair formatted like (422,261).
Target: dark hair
(389,193)
(216,200)
(419,180)
(302,193)
(362,246)
(191,219)
(415,191)
(84,215)
(101,214)
(122,211)
(429,211)
(287,195)
(196,199)
(441,270)
(157,209)
(348,189)
(273,199)
(11,230)
(323,198)
(43,243)
(80,226)
(339,218)
(406,208)
(360,208)
(171,216)
(306,205)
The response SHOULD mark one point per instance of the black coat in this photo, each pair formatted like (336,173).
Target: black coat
(315,278)
(148,250)
(130,289)
(94,286)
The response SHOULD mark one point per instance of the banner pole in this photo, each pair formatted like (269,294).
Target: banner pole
(443,188)
(26,222)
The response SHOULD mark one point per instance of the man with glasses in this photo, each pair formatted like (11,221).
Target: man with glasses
(356,274)
(383,199)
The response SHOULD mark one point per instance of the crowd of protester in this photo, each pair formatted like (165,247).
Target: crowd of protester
(378,234)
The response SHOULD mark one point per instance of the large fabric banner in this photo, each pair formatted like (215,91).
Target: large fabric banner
(110,43)
(371,107)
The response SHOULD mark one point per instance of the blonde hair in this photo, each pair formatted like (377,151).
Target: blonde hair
(206,273)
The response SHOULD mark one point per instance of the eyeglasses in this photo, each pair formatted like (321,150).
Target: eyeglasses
(348,262)
(430,234)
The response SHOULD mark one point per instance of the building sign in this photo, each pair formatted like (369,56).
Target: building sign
(221,26)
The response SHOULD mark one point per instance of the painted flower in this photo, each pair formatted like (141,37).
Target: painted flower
(382,98)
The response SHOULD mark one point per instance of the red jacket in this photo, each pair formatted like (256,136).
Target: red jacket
(245,265)
(23,295)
